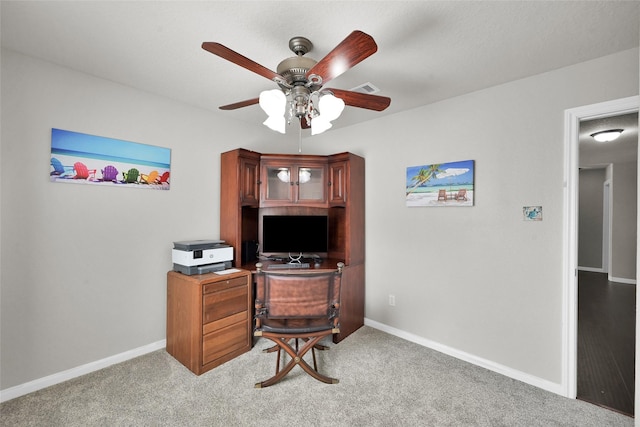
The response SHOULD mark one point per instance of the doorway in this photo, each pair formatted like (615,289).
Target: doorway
(573,118)
(606,227)
(606,308)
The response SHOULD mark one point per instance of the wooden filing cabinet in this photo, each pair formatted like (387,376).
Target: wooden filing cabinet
(209,318)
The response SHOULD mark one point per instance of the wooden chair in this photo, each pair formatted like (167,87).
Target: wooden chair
(132,176)
(82,172)
(59,169)
(297,305)
(164,178)
(149,179)
(109,173)
(442,195)
(462,195)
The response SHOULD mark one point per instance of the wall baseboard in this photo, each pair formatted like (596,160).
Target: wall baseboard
(39,384)
(621,280)
(609,277)
(592,269)
(484,363)
(60,377)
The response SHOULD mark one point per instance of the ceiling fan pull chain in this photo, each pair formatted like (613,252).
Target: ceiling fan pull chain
(300,136)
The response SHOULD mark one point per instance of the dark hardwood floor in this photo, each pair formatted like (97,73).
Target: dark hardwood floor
(606,342)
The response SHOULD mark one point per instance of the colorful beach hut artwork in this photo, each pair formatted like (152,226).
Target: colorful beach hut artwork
(441,184)
(105,161)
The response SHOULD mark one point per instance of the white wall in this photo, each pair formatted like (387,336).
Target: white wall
(83,269)
(479,280)
(590,220)
(624,213)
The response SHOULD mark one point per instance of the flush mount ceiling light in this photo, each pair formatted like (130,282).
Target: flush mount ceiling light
(607,135)
(301,97)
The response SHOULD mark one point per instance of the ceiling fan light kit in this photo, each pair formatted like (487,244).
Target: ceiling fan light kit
(301,79)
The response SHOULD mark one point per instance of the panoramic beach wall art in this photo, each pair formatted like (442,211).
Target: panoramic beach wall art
(442,184)
(88,159)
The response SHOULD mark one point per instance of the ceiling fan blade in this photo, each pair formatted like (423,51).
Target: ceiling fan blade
(362,100)
(304,124)
(230,55)
(241,104)
(357,47)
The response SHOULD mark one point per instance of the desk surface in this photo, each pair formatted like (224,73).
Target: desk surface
(326,264)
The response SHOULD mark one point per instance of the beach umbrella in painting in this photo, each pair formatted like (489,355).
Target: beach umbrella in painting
(451,172)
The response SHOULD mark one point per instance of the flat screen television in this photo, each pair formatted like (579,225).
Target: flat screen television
(306,234)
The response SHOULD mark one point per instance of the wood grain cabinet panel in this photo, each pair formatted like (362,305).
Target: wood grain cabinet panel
(299,184)
(208,318)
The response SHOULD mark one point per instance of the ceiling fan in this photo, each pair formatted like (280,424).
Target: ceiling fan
(301,80)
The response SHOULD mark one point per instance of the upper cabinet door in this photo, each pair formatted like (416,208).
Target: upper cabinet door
(337,183)
(278,185)
(249,181)
(311,184)
(299,184)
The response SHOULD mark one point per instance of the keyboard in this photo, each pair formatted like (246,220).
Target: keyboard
(296,265)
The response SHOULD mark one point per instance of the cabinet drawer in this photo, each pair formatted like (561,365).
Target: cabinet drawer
(224,303)
(224,284)
(224,341)
(224,322)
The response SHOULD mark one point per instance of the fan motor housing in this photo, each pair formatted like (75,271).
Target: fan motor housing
(294,69)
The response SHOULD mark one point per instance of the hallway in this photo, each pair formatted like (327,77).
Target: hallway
(606,342)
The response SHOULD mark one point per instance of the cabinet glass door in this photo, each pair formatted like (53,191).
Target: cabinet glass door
(311,183)
(279,183)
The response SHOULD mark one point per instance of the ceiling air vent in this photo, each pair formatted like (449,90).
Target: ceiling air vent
(367,88)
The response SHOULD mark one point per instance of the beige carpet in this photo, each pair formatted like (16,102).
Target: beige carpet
(384,381)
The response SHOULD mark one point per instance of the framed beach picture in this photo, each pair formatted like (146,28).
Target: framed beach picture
(442,184)
(532,213)
(89,159)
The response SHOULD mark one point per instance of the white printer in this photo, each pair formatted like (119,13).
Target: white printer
(201,256)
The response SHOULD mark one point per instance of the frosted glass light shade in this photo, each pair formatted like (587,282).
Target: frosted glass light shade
(330,109)
(607,135)
(274,103)
(276,123)
(319,125)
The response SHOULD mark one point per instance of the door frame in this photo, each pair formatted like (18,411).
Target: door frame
(606,224)
(572,118)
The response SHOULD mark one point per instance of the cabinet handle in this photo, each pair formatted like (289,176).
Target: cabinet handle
(329,184)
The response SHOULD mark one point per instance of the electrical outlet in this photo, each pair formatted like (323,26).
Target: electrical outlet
(392,300)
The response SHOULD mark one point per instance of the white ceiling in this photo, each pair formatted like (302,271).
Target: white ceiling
(427,50)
